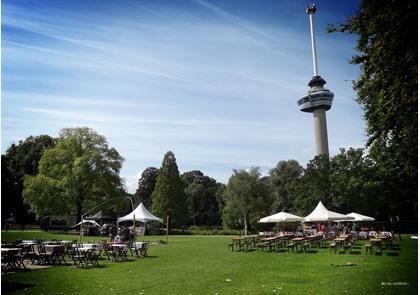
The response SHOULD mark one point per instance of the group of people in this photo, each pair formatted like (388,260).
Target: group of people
(121,235)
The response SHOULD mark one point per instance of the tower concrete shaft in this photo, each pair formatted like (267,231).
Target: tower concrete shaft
(321,134)
(318,100)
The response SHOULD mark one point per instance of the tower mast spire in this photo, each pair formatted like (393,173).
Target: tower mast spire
(311,11)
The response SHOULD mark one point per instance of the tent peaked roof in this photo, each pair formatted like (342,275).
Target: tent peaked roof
(281,217)
(141,214)
(360,217)
(321,213)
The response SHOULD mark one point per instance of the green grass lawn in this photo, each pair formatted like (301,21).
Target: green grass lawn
(203,265)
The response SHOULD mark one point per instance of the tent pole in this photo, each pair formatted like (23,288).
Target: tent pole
(81,228)
(167,228)
(134,227)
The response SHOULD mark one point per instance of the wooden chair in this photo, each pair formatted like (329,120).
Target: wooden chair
(110,252)
(78,257)
(291,246)
(348,247)
(144,248)
(368,247)
(333,246)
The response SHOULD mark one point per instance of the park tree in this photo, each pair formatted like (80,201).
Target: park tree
(19,160)
(201,193)
(355,184)
(314,186)
(77,174)
(387,91)
(146,186)
(285,180)
(169,196)
(248,197)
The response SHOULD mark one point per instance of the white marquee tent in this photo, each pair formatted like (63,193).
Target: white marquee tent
(281,217)
(140,214)
(322,214)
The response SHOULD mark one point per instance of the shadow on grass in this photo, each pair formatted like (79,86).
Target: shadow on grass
(355,252)
(312,251)
(282,251)
(9,287)
(393,254)
(150,256)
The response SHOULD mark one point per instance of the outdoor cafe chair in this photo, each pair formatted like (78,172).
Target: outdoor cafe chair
(368,247)
(40,255)
(291,245)
(348,247)
(78,257)
(110,252)
(57,253)
(11,259)
(333,246)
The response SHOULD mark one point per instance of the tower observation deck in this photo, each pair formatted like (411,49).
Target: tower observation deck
(318,99)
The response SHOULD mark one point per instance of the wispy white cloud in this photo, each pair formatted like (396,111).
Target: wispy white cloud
(233,18)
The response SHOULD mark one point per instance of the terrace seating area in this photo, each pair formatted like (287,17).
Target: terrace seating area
(342,243)
(21,254)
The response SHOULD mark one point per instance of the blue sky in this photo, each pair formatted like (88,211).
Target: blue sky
(216,82)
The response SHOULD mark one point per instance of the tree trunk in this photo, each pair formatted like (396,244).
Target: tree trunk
(245,225)
(78,212)
(167,228)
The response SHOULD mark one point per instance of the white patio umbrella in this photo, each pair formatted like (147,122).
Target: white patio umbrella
(322,214)
(85,221)
(360,217)
(281,217)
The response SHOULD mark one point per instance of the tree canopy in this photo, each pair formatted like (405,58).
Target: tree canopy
(201,192)
(387,91)
(248,198)
(146,186)
(169,197)
(20,160)
(284,179)
(78,173)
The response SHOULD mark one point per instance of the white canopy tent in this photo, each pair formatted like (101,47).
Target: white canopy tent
(360,217)
(281,217)
(322,214)
(85,221)
(140,214)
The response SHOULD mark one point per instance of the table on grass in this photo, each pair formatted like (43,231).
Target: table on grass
(376,243)
(298,242)
(240,243)
(12,259)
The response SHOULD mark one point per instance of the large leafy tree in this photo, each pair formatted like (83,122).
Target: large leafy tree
(387,91)
(201,192)
(248,197)
(78,173)
(315,186)
(285,179)
(20,160)
(146,187)
(169,197)
(356,185)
